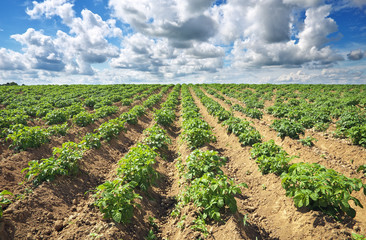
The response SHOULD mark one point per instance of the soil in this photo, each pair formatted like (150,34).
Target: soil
(63,209)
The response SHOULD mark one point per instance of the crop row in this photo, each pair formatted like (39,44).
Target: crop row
(117,199)
(309,185)
(297,112)
(205,184)
(65,159)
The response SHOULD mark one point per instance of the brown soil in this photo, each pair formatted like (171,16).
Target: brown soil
(63,209)
(45,211)
(308,222)
(11,174)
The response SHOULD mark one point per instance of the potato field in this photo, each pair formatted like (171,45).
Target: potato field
(206,161)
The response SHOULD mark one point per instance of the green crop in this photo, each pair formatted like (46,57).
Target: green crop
(270,157)
(200,162)
(83,119)
(116,200)
(357,135)
(164,116)
(4,200)
(250,137)
(156,137)
(308,141)
(316,187)
(64,161)
(111,129)
(24,137)
(58,129)
(105,111)
(197,137)
(56,116)
(212,194)
(286,127)
(137,166)
(91,140)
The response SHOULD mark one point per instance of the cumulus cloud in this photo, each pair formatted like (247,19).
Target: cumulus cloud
(141,53)
(310,50)
(174,38)
(40,50)
(356,55)
(173,20)
(50,8)
(10,60)
(304,3)
(73,52)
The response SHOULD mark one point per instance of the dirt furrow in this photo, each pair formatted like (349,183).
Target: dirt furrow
(11,175)
(53,210)
(266,203)
(319,153)
(339,150)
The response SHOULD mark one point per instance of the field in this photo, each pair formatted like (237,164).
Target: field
(209,161)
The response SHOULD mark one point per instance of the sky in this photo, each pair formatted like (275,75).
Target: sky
(183,41)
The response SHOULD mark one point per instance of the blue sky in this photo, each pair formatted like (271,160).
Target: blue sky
(200,41)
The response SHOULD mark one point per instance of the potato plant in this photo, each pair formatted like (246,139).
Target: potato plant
(23,137)
(64,161)
(116,200)
(319,188)
(286,127)
(137,166)
(4,200)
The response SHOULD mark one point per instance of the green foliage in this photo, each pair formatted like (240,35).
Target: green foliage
(316,187)
(90,102)
(4,200)
(212,194)
(83,119)
(58,130)
(130,117)
(237,125)
(362,168)
(250,137)
(356,236)
(63,162)
(56,116)
(197,137)
(91,140)
(308,141)
(137,166)
(200,162)
(74,109)
(321,127)
(116,200)
(105,111)
(138,110)
(357,134)
(23,137)
(286,127)
(152,100)
(126,102)
(270,157)
(164,116)
(156,137)
(111,129)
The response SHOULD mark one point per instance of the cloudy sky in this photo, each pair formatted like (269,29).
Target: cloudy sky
(171,41)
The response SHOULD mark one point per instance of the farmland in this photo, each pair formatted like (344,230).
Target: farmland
(183,161)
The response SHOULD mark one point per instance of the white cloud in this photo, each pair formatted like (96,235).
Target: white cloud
(175,39)
(356,55)
(50,8)
(74,52)
(304,3)
(10,60)
(310,50)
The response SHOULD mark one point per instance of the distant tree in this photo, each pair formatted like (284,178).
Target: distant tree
(10,84)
